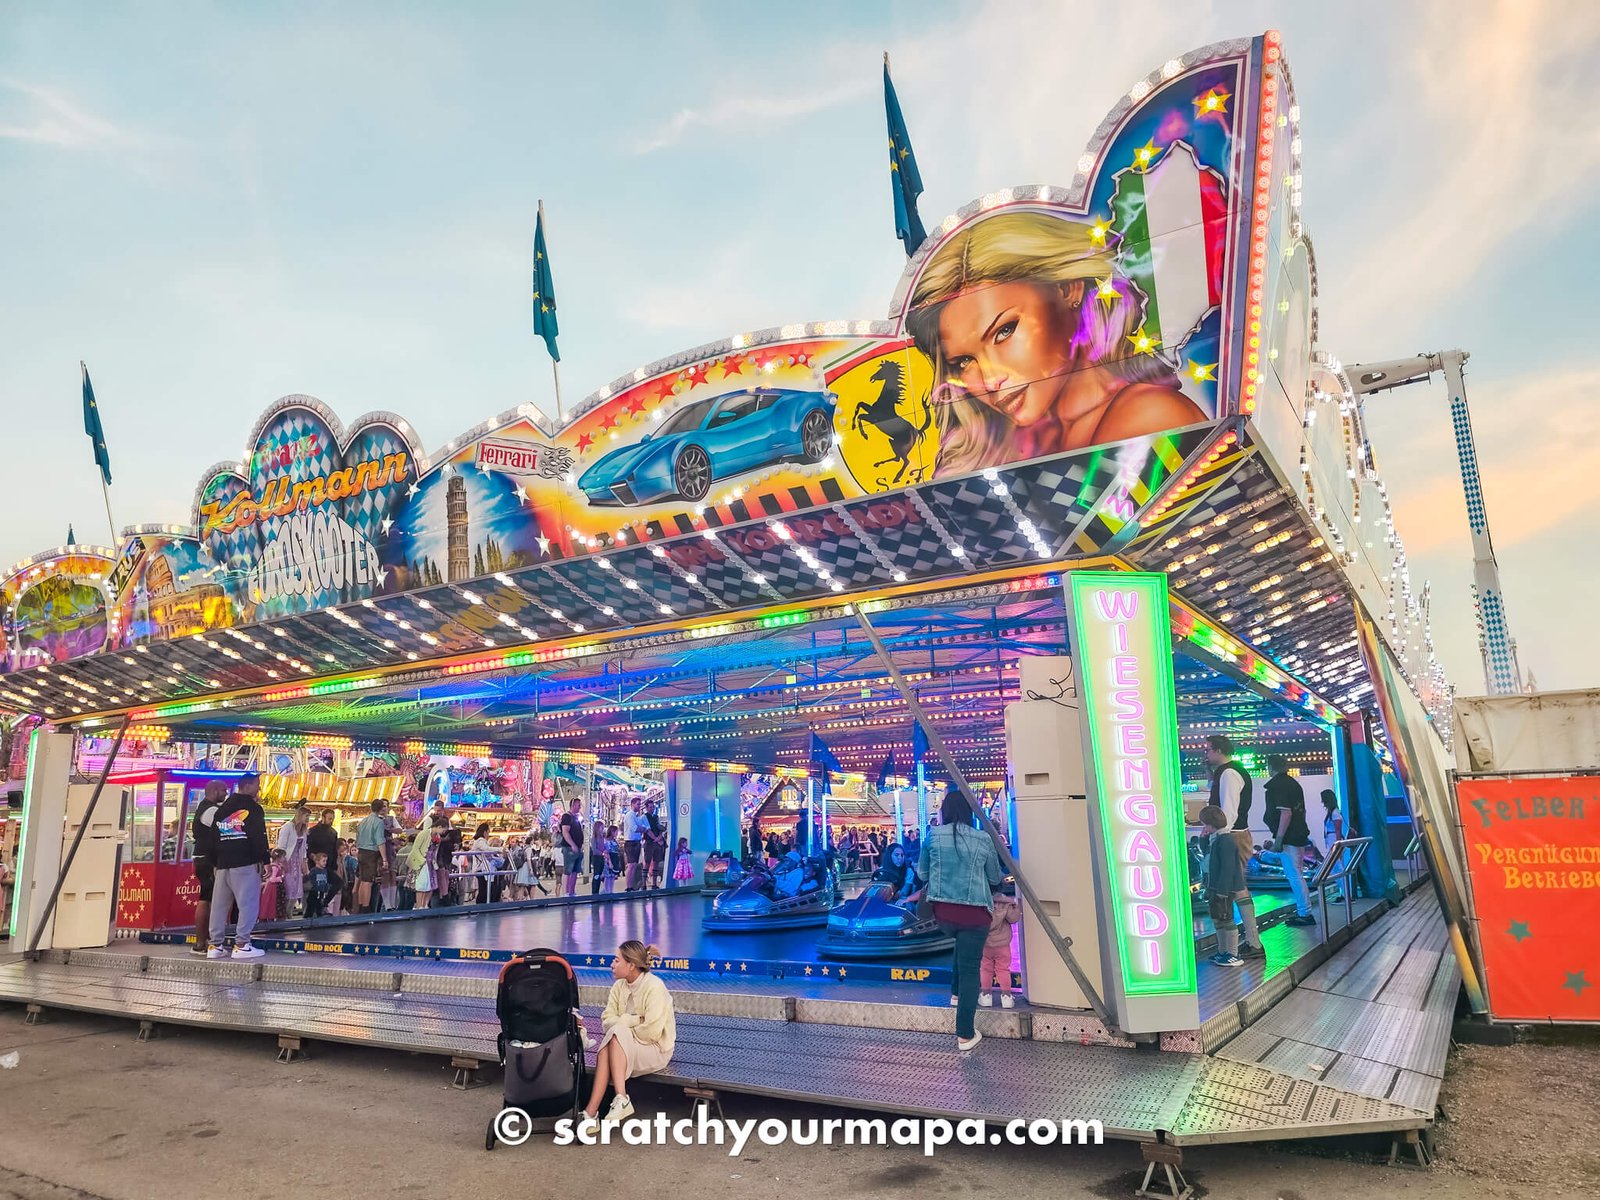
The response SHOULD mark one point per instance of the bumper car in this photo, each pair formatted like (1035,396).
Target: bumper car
(874,925)
(796,893)
(721,872)
(1266,872)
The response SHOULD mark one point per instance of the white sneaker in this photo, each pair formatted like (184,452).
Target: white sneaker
(217,952)
(968,1045)
(1007,1000)
(954,1002)
(621,1109)
(986,1001)
(248,951)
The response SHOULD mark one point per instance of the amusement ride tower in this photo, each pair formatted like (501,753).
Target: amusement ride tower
(1501,671)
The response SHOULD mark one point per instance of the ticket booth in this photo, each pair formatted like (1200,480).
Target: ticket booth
(157,889)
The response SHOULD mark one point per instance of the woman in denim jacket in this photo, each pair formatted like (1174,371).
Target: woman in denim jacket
(962,869)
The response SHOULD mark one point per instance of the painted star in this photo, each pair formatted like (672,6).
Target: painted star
(544,545)
(1145,155)
(585,441)
(1106,290)
(1098,230)
(1202,372)
(484,468)
(667,388)
(1577,982)
(808,970)
(732,365)
(609,421)
(1143,343)
(803,358)
(635,404)
(386,522)
(1519,930)
(413,490)
(1214,101)
(697,374)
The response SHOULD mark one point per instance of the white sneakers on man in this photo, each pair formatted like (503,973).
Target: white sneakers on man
(248,951)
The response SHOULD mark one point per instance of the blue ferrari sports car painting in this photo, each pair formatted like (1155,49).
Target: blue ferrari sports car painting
(714,439)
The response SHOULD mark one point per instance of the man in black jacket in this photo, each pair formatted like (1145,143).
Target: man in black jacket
(240,830)
(1286,819)
(203,832)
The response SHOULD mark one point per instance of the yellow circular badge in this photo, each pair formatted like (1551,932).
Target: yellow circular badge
(888,437)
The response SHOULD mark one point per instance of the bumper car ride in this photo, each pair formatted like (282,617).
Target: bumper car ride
(796,894)
(872,925)
(721,872)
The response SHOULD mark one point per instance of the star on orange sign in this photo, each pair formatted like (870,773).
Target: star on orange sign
(697,374)
(732,365)
(635,403)
(802,358)
(609,421)
(585,441)
(667,388)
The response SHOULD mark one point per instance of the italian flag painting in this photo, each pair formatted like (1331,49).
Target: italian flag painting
(1171,220)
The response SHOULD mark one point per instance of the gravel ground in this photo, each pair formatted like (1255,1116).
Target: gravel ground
(1524,1118)
(90,1114)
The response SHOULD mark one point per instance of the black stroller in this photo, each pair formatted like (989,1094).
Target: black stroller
(540,1041)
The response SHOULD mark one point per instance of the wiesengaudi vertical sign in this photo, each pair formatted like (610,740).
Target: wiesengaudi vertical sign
(1122,643)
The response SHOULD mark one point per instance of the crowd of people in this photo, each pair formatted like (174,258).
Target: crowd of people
(309,870)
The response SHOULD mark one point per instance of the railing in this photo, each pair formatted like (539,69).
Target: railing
(1337,867)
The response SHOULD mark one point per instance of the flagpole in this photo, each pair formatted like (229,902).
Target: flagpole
(106,492)
(555,367)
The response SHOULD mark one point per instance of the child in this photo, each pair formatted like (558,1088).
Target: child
(1224,885)
(322,885)
(683,863)
(613,860)
(996,960)
(272,887)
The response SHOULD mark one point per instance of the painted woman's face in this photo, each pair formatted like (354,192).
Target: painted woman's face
(1009,346)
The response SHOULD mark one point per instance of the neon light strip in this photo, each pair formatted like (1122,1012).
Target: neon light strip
(1122,643)
(22,844)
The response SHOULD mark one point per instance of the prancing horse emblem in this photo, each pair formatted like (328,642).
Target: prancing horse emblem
(883,414)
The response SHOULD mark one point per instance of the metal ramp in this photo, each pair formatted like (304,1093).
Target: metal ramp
(1374,1019)
(1260,1087)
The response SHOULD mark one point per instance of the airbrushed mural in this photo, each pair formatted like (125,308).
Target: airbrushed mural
(1081,323)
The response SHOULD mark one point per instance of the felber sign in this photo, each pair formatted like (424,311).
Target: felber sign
(1533,854)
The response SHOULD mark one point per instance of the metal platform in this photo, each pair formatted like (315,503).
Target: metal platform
(751,1038)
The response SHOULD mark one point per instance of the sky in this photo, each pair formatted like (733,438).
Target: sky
(215,205)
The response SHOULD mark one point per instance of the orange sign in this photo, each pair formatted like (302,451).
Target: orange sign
(1533,851)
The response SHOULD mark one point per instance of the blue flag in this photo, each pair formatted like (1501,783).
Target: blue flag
(885,771)
(822,759)
(903,174)
(544,291)
(919,744)
(91,426)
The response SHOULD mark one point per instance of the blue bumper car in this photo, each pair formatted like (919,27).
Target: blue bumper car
(875,925)
(797,893)
(721,872)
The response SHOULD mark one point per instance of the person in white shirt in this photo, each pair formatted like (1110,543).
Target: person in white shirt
(635,829)
(1232,791)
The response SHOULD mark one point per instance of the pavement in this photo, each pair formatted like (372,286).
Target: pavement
(88,1113)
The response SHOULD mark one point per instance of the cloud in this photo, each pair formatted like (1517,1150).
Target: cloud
(751,108)
(1538,444)
(1489,143)
(54,118)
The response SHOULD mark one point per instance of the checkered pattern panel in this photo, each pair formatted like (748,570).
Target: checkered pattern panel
(725,578)
(905,538)
(978,520)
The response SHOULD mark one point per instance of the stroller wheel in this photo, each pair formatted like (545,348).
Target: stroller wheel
(490,1138)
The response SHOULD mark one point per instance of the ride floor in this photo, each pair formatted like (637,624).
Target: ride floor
(590,930)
